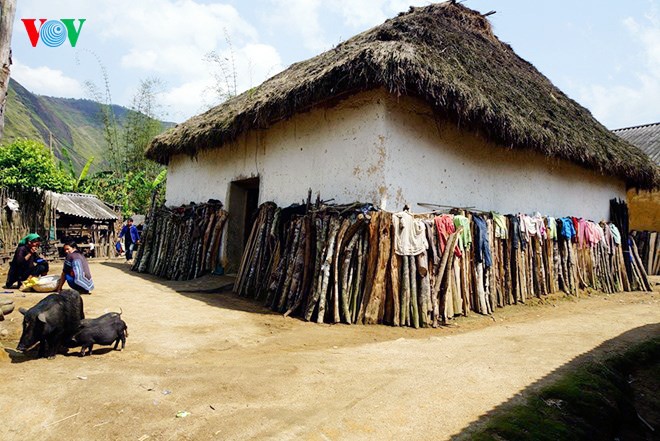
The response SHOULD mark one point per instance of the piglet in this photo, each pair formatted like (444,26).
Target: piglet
(104,330)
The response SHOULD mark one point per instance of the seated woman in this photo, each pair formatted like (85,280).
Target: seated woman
(76,271)
(26,261)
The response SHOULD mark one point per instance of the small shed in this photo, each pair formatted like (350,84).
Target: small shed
(87,220)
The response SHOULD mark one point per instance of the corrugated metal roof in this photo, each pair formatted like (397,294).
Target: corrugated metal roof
(646,137)
(82,205)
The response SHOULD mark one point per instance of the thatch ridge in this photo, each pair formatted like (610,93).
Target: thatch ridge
(447,55)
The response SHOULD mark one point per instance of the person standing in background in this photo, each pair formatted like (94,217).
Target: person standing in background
(131,238)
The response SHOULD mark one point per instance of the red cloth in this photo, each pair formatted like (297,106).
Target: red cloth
(445,226)
(576,225)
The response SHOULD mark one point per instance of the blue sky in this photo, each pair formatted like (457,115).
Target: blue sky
(604,54)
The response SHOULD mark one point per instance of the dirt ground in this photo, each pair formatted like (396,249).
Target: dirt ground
(243,372)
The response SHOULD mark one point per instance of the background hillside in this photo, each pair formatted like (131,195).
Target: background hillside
(75,124)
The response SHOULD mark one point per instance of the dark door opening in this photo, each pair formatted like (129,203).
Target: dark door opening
(242,207)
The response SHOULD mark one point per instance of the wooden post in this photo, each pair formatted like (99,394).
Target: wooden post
(7,13)
(375,306)
(394,281)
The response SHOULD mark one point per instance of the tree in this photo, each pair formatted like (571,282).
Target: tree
(7,12)
(28,163)
(107,115)
(142,125)
(130,181)
(225,76)
(71,169)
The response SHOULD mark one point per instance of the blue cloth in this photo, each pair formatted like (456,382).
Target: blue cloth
(134,234)
(77,273)
(481,244)
(72,284)
(129,251)
(567,230)
(616,234)
(514,231)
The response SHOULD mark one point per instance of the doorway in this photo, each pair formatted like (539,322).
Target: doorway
(242,207)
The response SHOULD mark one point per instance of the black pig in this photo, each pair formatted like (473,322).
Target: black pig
(51,322)
(104,330)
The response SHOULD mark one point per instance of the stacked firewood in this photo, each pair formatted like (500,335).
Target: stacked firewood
(648,245)
(316,263)
(182,243)
(331,263)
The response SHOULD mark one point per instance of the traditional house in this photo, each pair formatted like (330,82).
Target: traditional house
(644,205)
(429,107)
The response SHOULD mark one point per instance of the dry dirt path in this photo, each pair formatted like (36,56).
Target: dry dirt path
(244,373)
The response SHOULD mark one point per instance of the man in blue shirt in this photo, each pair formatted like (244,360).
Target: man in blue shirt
(131,237)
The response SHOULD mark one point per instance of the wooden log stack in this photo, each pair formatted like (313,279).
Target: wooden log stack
(648,246)
(182,243)
(332,264)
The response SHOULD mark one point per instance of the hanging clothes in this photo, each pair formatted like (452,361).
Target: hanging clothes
(539,223)
(592,232)
(465,238)
(608,240)
(576,226)
(567,230)
(481,243)
(552,228)
(434,249)
(616,234)
(409,234)
(527,227)
(516,235)
(444,225)
(501,230)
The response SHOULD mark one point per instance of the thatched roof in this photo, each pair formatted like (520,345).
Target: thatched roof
(447,55)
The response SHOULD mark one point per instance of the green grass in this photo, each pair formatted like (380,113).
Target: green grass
(592,402)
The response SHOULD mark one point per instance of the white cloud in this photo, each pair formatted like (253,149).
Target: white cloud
(140,59)
(252,65)
(170,39)
(307,18)
(300,17)
(46,81)
(364,14)
(187,99)
(623,105)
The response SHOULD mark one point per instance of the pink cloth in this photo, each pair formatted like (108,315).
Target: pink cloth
(445,226)
(541,228)
(589,233)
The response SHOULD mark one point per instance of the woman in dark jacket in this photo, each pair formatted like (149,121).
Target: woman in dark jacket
(26,261)
(76,271)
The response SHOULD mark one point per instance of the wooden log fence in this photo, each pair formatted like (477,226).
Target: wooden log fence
(648,246)
(182,243)
(337,263)
(35,215)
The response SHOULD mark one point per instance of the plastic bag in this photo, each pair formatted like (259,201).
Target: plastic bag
(40,284)
(46,284)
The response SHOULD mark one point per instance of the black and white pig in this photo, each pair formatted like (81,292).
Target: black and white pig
(51,322)
(104,330)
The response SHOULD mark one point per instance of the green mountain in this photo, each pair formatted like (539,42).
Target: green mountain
(65,123)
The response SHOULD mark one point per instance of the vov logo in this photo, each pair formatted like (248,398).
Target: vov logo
(53,32)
